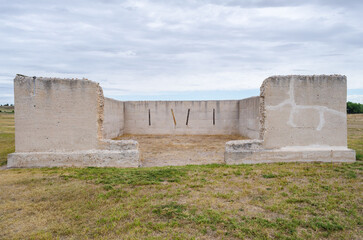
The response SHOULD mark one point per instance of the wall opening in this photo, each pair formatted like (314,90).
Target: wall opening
(214,116)
(187,117)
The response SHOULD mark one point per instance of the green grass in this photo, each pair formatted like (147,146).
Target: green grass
(263,201)
(115,176)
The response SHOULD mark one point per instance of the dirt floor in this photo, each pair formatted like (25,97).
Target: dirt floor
(175,150)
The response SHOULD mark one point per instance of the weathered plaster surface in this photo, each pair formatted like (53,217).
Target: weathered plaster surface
(304,110)
(60,122)
(53,114)
(302,119)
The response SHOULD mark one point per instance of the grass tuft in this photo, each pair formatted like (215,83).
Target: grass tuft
(170,210)
(269,175)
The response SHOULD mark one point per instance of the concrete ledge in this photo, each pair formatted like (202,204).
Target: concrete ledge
(91,158)
(118,145)
(243,145)
(273,156)
(249,152)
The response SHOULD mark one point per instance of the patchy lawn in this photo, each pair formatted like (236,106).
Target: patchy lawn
(284,201)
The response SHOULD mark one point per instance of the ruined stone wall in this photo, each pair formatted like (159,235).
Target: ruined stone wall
(113,123)
(68,122)
(249,117)
(205,117)
(300,111)
(53,114)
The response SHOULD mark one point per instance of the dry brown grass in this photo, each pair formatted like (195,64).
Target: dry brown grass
(7,136)
(37,205)
(355,134)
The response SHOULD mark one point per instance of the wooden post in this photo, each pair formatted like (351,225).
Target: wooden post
(172,112)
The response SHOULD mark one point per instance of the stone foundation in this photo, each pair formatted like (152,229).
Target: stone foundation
(121,153)
(90,158)
(252,152)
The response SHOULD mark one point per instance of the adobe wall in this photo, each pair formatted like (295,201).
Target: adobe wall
(200,121)
(113,122)
(249,117)
(304,111)
(53,114)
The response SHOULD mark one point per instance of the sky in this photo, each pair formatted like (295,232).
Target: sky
(180,50)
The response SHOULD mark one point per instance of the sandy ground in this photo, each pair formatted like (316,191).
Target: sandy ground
(167,150)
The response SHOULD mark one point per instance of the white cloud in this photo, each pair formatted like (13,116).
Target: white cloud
(355,98)
(151,46)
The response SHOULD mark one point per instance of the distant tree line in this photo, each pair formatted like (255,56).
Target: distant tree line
(6,108)
(354,107)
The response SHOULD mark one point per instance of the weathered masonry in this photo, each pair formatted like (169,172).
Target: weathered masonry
(68,122)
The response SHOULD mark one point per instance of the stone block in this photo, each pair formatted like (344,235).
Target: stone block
(90,158)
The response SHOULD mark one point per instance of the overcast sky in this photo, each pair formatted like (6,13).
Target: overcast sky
(180,49)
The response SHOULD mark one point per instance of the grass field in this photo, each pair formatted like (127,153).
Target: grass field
(355,134)
(7,137)
(281,201)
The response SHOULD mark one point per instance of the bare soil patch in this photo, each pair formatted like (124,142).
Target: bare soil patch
(176,150)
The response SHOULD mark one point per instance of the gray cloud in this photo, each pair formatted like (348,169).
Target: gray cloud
(152,47)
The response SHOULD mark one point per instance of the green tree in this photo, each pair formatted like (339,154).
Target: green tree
(354,107)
